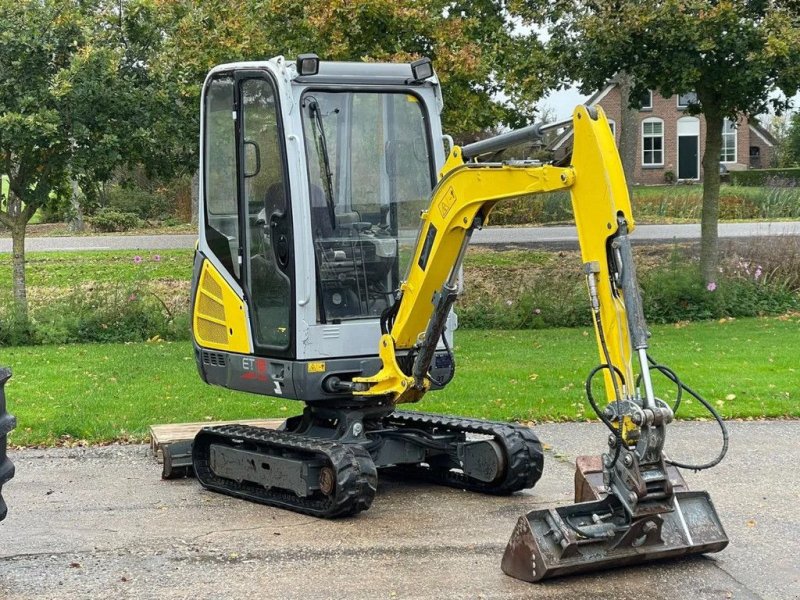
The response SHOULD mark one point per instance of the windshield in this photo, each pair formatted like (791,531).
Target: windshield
(371,173)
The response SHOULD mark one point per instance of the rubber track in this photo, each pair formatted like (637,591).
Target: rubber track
(356,476)
(7,423)
(523,451)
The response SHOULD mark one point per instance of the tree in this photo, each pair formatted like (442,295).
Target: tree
(477,57)
(791,143)
(732,53)
(72,107)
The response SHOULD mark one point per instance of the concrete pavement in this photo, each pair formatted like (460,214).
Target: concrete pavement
(528,236)
(99,523)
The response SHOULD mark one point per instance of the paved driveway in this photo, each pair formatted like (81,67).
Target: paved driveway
(99,523)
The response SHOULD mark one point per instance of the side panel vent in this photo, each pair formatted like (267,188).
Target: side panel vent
(215,359)
(219,319)
(210,311)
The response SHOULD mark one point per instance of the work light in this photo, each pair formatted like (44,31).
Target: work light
(308,64)
(421,69)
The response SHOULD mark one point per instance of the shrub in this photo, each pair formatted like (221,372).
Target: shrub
(773,177)
(109,220)
(669,177)
(540,208)
(110,314)
(142,203)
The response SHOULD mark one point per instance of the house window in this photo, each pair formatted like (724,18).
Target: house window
(684,100)
(728,154)
(645,100)
(613,127)
(652,142)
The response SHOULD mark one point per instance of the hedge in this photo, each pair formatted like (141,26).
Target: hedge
(760,177)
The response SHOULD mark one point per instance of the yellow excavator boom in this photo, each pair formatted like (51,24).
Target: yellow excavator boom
(463,199)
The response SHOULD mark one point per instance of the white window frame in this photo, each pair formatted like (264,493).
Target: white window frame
(643,137)
(613,125)
(735,136)
(684,106)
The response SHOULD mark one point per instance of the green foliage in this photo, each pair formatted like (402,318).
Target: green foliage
(123,296)
(108,220)
(542,208)
(772,177)
(684,202)
(70,269)
(142,203)
(76,101)
(541,291)
(791,145)
(474,48)
(117,313)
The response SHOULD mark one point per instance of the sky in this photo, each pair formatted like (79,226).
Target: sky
(562,102)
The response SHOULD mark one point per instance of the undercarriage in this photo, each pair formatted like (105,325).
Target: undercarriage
(325,462)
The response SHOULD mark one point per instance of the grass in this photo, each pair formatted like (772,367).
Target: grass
(104,392)
(75,268)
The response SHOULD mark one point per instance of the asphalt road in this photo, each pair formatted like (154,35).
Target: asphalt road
(528,236)
(99,523)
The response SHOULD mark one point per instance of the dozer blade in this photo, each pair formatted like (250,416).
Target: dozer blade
(543,545)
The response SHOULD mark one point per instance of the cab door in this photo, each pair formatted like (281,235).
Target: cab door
(265,214)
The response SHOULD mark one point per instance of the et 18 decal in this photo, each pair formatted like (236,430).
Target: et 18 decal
(255,369)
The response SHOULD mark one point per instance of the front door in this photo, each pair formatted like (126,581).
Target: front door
(687,157)
(688,148)
(266,215)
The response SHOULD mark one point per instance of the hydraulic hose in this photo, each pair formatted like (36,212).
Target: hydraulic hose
(672,376)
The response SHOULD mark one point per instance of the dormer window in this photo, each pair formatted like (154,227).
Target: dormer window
(684,100)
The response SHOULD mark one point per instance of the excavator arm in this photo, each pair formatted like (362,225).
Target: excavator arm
(461,202)
(641,517)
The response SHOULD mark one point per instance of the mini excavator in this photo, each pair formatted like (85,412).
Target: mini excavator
(333,226)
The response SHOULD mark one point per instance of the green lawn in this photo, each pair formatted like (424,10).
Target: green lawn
(748,368)
(69,269)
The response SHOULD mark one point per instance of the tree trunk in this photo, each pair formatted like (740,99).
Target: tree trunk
(18,268)
(709,236)
(628,129)
(76,224)
(195,196)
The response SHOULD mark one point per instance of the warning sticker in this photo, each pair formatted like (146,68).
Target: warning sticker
(446,203)
(316,367)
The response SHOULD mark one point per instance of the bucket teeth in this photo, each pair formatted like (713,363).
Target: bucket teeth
(543,545)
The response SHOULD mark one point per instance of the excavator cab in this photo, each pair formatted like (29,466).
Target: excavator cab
(312,182)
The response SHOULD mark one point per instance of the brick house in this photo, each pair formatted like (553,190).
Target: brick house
(671,141)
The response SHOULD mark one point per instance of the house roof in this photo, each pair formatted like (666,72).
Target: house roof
(762,132)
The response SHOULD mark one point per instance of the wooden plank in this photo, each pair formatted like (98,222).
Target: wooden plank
(176,432)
